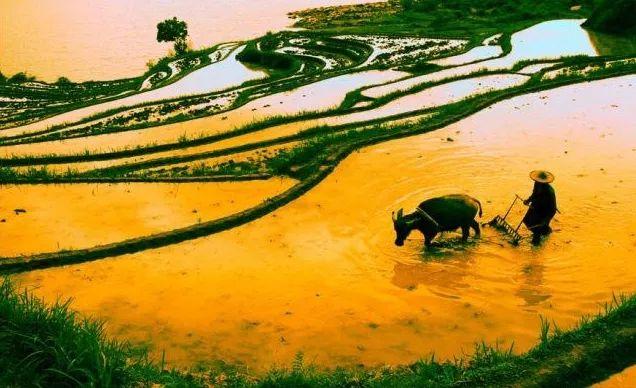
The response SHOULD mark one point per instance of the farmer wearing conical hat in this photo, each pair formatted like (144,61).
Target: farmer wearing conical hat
(542,204)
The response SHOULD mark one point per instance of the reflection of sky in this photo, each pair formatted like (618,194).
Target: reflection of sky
(436,96)
(217,76)
(547,40)
(319,95)
(109,39)
(474,54)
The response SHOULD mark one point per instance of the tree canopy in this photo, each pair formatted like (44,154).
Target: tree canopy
(173,30)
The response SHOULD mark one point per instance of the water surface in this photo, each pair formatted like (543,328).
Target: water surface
(321,275)
(75,216)
(108,39)
(547,40)
(218,76)
(317,96)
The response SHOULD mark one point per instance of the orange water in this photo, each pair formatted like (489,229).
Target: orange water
(84,215)
(108,39)
(322,276)
(626,378)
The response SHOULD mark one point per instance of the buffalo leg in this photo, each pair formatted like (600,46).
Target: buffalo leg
(475,226)
(428,240)
(465,231)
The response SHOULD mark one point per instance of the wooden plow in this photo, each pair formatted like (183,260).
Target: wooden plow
(502,225)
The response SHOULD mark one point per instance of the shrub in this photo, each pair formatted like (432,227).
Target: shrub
(20,77)
(267,59)
(269,42)
(63,81)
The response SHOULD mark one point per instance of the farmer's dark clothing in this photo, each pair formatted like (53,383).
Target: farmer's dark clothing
(542,208)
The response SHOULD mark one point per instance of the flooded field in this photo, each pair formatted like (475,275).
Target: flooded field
(433,97)
(224,74)
(59,217)
(321,275)
(228,211)
(547,40)
(318,96)
(62,40)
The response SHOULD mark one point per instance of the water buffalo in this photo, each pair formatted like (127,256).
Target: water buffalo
(437,215)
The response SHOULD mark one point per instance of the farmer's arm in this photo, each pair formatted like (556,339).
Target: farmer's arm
(531,198)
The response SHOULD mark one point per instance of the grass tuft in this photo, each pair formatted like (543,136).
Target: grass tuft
(50,345)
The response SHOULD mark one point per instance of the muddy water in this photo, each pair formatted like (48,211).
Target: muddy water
(108,39)
(84,215)
(551,39)
(321,275)
(317,96)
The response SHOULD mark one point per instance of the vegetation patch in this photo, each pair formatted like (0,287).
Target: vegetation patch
(614,16)
(50,345)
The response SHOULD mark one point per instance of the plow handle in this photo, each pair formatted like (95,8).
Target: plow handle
(511,205)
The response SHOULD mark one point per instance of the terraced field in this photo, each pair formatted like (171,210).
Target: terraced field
(148,205)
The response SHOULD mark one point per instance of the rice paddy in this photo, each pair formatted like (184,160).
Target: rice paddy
(231,206)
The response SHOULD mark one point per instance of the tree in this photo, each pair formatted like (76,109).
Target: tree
(20,77)
(63,81)
(173,30)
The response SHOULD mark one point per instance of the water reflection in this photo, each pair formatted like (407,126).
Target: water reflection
(328,257)
(547,40)
(109,39)
(445,279)
(221,75)
(531,283)
(317,96)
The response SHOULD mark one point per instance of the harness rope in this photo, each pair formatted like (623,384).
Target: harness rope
(427,216)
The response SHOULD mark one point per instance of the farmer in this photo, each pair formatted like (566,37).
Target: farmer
(542,204)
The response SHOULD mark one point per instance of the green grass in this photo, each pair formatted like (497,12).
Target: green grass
(461,108)
(272,61)
(614,16)
(469,18)
(50,345)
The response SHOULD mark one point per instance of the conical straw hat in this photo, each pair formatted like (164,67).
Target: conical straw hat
(541,176)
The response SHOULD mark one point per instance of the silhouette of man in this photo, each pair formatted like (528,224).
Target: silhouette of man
(542,204)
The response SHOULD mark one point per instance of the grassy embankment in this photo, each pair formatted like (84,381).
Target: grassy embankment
(614,16)
(50,345)
(452,18)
